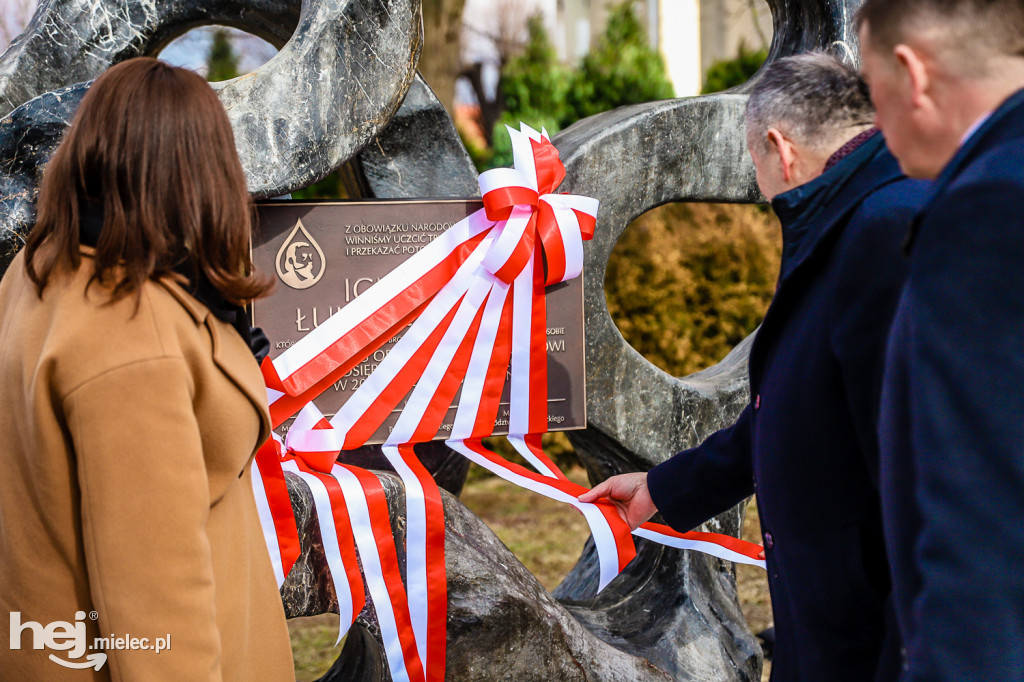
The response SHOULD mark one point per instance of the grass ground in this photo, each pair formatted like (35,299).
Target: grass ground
(515,515)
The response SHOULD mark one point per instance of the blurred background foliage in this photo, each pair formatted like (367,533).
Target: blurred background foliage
(621,69)
(687,282)
(729,73)
(222,62)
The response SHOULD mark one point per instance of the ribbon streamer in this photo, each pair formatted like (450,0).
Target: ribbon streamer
(473,301)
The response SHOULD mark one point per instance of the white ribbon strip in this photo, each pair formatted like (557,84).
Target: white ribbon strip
(711,548)
(604,540)
(522,320)
(373,573)
(416,587)
(522,152)
(267,523)
(332,552)
(569,227)
(519,443)
(479,362)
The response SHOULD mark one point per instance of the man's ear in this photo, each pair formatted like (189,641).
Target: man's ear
(787,154)
(916,72)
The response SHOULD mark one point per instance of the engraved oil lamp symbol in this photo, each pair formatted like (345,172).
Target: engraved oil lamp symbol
(300,260)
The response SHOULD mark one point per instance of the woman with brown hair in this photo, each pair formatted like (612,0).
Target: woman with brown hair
(132,403)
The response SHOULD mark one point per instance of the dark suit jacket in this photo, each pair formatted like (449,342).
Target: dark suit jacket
(808,440)
(952,424)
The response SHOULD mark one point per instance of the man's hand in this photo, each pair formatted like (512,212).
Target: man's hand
(628,492)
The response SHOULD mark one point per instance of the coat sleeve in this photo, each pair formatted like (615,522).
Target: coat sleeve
(698,484)
(965,410)
(870,276)
(144,506)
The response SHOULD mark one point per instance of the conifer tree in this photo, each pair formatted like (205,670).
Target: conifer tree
(621,69)
(534,85)
(222,61)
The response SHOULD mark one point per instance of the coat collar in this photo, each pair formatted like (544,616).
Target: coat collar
(815,211)
(230,353)
(235,362)
(1006,123)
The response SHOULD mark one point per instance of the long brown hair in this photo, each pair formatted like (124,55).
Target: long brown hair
(152,146)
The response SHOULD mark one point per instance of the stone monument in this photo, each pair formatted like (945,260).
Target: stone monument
(343,89)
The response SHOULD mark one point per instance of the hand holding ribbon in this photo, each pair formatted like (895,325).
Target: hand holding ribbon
(473,301)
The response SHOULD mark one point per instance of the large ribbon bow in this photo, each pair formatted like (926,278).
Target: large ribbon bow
(523,197)
(473,306)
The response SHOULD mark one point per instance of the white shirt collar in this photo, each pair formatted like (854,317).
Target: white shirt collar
(974,128)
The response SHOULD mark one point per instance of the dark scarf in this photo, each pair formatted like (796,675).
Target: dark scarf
(850,147)
(198,286)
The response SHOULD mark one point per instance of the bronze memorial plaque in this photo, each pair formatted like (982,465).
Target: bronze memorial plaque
(323,254)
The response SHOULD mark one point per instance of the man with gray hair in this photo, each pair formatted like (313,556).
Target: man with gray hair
(948,79)
(806,442)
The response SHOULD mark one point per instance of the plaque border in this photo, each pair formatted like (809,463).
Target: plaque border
(446,200)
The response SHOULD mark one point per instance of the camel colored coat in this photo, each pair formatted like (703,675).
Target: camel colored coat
(125,487)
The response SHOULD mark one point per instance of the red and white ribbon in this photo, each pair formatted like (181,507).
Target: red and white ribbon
(274,507)
(473,301)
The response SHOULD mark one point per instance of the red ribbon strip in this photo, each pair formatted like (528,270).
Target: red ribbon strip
(520,212)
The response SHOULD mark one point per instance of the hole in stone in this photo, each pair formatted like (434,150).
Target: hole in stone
(686,282)
(218,52)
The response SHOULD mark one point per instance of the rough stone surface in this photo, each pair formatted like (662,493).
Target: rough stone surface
(71,41)
(502,623)
(808,25)
(343,70)
(28,138)
(419,154)
(331,89)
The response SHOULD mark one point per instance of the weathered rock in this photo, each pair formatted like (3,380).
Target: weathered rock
(419,154)
(72,41)
(809,25)
(28,138)
(333,87)
(502,623)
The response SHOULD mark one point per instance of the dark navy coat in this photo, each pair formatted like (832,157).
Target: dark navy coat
(952,422)
(807,441)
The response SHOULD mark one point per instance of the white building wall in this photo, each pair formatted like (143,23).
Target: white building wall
(679,42)
(690,34)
